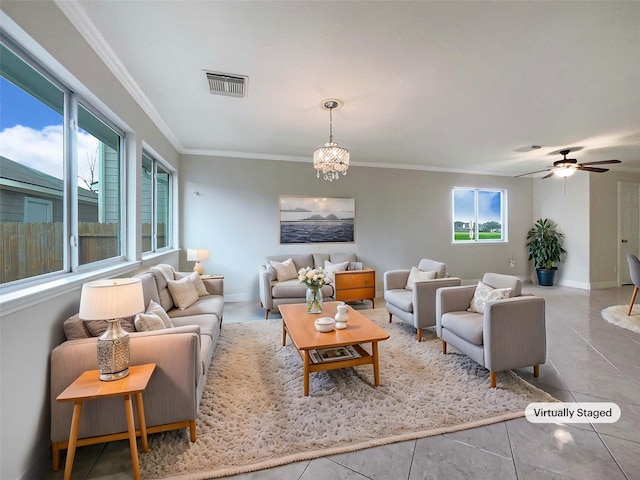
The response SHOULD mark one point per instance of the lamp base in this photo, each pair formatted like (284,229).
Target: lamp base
(113,352)
(198,268)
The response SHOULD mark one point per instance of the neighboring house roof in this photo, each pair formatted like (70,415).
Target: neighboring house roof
(17,175)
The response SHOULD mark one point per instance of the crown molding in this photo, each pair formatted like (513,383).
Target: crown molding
(81,21)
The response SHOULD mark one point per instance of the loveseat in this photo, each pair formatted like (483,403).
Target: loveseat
(182,354)
(279,285)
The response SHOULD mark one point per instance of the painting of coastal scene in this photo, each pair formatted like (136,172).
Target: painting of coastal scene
(316,219)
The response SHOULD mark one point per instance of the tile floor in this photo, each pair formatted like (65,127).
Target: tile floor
(588,360)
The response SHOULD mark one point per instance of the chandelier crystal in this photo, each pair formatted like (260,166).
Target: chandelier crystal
(331,159)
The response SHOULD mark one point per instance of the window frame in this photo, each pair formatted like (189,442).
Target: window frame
(70,217)
(155,163)
(503,217)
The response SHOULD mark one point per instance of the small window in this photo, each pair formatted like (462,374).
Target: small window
(479,215)
(156,204)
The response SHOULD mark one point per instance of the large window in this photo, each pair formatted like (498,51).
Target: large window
(60,175)
(479,215)
(156,204)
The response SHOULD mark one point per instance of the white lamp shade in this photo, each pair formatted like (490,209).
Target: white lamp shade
(197,254)
(109,299)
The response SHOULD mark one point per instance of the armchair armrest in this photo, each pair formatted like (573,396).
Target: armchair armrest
(514,333)
(424,299)
(395,279)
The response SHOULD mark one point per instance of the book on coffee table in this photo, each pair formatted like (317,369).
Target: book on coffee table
(333,354)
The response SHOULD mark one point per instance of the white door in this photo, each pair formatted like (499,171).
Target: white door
(628,227)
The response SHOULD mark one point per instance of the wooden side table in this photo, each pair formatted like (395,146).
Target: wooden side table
(356,285)
(88,386)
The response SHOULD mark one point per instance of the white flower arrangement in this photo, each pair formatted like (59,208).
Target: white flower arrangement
(313,278)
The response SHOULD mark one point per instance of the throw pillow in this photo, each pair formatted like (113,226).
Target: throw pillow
(156,309)
(417,275)
(330,268)
(199,284)
(183,292)
(485,293)
(284,270)
(146,322)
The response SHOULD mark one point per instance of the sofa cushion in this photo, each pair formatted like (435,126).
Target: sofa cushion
(156,309)
(146,322)
(284,270)
(163,291)
(417,275)
(207,324)
(401,298)
(197,281)
(485,293)
(294,289)
(183,292)
(465,325)
(343,257)
(212,304)
(300,260)
(319,259)
(330,268)
(149,287)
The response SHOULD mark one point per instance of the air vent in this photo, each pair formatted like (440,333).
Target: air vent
(225,84)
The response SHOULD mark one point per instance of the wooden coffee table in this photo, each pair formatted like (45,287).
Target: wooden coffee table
(299,325)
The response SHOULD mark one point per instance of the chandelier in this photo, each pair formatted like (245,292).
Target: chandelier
(331,159)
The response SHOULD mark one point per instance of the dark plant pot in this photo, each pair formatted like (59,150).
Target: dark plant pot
(546,276)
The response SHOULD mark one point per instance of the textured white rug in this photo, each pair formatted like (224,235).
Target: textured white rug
(253,414)
(618,316)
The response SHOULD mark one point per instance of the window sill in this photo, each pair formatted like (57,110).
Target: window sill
(13,300)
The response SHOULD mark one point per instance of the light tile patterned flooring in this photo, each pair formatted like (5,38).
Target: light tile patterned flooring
(588,360)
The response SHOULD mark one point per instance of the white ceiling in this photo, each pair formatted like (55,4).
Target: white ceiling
(456,86)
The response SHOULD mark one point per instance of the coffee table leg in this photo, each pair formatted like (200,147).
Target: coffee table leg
(128,407)
(73,439)
(306,362)
(284,334)
(376,369)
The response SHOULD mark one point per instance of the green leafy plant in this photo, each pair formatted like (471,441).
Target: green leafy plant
(544,244)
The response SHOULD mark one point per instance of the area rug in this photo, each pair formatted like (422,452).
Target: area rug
(618,316)
(253,414)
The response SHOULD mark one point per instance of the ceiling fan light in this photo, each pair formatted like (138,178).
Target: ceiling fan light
(564,172)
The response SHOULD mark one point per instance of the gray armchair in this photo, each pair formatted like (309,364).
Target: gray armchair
(634,271)
(417,306)
(509,334)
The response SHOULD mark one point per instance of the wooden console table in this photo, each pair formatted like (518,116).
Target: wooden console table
(88,386)
(356,285)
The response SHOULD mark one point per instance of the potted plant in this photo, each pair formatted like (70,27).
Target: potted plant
(544,245)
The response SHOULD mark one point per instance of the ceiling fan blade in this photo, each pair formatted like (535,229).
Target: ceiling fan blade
(601,162)
(547,176)
(531,173)
(592,169)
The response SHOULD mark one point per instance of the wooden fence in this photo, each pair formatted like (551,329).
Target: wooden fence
(31,249)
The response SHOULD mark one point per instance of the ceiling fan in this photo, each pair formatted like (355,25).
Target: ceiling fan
(568,166)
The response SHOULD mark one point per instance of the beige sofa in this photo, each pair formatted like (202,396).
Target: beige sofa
(274,292)
(182,355)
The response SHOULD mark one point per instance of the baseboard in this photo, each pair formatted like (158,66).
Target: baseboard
(240,297)
(571,283)
(602,285)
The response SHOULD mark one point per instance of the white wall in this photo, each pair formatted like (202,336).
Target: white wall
(604,226)
(28,335)
(566,202)
(401,217)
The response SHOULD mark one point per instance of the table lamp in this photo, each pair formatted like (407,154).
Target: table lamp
(197,254)
(111,300)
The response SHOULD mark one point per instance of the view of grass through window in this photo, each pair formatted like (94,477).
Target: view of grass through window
(478,215)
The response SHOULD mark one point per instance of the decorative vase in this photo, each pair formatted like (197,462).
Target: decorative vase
(341,317)
(314,300)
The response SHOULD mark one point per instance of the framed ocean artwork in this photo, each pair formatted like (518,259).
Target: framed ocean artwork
(317,219)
